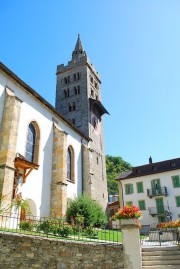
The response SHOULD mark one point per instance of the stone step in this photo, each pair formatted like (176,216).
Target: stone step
(161,267)
(161,257)
(162,262)
(151,249)
(161,253)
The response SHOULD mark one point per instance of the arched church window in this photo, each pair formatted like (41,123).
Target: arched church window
(70,164)
(32,144)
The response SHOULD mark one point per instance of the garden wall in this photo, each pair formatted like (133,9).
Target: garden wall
(24,252)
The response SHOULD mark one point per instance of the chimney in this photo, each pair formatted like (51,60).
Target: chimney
(150,160)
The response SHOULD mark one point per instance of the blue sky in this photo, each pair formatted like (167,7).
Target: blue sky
(134,45)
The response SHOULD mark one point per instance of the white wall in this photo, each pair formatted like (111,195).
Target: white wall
(165,178)
(2,95)
(38,183)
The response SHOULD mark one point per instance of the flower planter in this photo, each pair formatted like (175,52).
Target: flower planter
(129,223)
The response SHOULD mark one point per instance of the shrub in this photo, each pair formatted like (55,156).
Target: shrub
(26,225)
(90,212)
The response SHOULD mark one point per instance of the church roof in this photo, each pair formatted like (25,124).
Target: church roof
(33,93)
(78,51)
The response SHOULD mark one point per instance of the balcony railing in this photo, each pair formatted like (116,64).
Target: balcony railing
(160,211)
(157,192)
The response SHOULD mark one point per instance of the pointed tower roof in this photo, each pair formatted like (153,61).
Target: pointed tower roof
(78,51)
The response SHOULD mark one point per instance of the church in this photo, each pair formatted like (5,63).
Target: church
(51,155)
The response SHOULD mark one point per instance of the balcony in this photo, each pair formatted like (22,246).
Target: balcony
(160,211)
(157,192)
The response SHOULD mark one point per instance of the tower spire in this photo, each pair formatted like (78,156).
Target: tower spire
(78,51)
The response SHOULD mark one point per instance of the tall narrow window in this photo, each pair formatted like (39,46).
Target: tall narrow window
(30,145)
(70,164)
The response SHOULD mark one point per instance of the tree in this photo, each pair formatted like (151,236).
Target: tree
(90,212)
(114,167)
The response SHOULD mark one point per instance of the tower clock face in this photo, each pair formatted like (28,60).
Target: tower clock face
(95,123)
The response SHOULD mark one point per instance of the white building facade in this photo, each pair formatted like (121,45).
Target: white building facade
(155,189)
(37,147)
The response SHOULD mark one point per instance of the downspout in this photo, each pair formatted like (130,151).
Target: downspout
(121,200)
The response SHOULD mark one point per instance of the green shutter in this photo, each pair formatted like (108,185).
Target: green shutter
(176,181)
(160,205)
(129,203)
(178,201)
(128,188)
(140,188)
(131,188)
(142,205)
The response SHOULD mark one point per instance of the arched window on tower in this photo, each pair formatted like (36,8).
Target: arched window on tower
(32,144)
(70,164)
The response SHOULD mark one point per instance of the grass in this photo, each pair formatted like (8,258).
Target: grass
(102,235)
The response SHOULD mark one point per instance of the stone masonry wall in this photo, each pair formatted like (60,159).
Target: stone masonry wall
(24,252)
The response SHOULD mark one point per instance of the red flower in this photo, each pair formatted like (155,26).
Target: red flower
(128,212)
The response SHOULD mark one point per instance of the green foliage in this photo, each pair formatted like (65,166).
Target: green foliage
(114,167)
(55,227)
(26,225)
(92,213)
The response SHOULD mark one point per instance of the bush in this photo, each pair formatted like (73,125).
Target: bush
(91,212)
(26,225)
(55,227)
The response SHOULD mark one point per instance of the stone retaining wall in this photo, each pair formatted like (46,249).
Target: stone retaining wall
(24,252)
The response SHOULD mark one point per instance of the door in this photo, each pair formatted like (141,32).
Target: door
(156,186)
(160,206)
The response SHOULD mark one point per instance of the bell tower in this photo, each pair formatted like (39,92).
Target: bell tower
(78,99)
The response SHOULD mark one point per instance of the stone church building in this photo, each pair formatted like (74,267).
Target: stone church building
(49,156)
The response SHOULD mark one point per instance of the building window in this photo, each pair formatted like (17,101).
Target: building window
(74,77)
(177,201)
(77,90)
(91,79)
(139,186)
(32,144)
(129,189)
(72,106)
(65,93)
(142,205)
(92,93)
(78,75)
(176,181)
(65,80)
(70,164)
(161,219)
(129,202)
(68,79)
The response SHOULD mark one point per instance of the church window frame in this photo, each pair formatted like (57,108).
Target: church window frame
(70,164)
(32,142)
